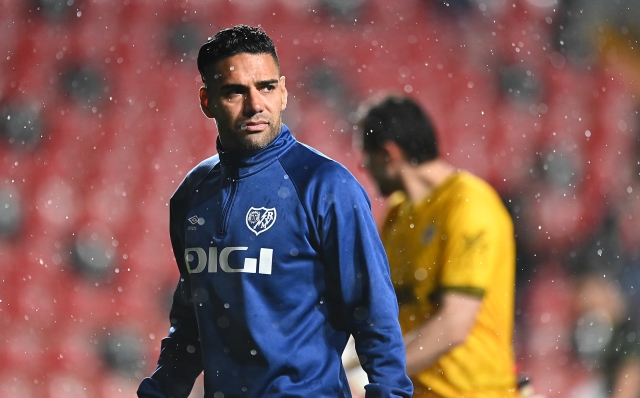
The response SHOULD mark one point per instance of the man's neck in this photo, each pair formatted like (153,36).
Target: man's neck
(421,180)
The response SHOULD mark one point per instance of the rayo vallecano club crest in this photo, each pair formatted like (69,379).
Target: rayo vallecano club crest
(260,219)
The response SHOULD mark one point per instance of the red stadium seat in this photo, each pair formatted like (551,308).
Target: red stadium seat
(516,138)
(117,386)
(612,145)
(59,201)
(16,384)
(24,348)
(75,350)
(547,356)
(61,384)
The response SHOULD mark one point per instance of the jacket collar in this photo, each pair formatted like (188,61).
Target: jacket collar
(242,164)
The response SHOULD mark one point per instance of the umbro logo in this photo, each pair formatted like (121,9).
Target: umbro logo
(194,220)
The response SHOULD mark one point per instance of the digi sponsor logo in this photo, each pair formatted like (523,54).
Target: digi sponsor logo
(197,260)
(260,219)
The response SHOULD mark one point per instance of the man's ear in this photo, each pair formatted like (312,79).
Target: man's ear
(285,94)
(204,102)
(393,152)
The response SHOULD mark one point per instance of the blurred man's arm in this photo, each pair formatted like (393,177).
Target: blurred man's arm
(180,360)
(445,330)
(627,380)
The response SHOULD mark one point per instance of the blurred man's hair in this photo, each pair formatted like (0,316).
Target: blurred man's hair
(401,120)
(233,41)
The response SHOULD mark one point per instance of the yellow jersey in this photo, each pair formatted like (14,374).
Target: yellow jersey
(459,239)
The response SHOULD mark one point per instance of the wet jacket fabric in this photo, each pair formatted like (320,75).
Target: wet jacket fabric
(280,262)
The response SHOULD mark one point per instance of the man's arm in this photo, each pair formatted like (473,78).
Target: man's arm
(445,330)
(626,383)
(180,360)
(359,285)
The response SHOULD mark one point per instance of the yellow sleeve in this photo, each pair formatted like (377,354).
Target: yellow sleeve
(476,226)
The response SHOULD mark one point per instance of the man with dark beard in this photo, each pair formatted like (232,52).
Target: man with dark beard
(451,250)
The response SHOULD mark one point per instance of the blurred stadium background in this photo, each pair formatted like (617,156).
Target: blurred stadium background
(99,122)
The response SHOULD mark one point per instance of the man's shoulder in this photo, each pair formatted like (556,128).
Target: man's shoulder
(304,163)
(471,186)
(395,204)
(195,176)
(203,168)
(471,193)
(320,179)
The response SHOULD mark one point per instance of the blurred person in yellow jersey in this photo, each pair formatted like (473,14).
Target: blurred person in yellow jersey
(451,250)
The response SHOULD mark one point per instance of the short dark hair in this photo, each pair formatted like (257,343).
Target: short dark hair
(401,120)
(233,41)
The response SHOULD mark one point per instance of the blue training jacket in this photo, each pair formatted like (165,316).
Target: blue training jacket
(280,261)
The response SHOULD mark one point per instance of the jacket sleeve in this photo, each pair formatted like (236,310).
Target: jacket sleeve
(180,360)
(360,283)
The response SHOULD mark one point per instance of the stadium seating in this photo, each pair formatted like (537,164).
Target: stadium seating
(111,88)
